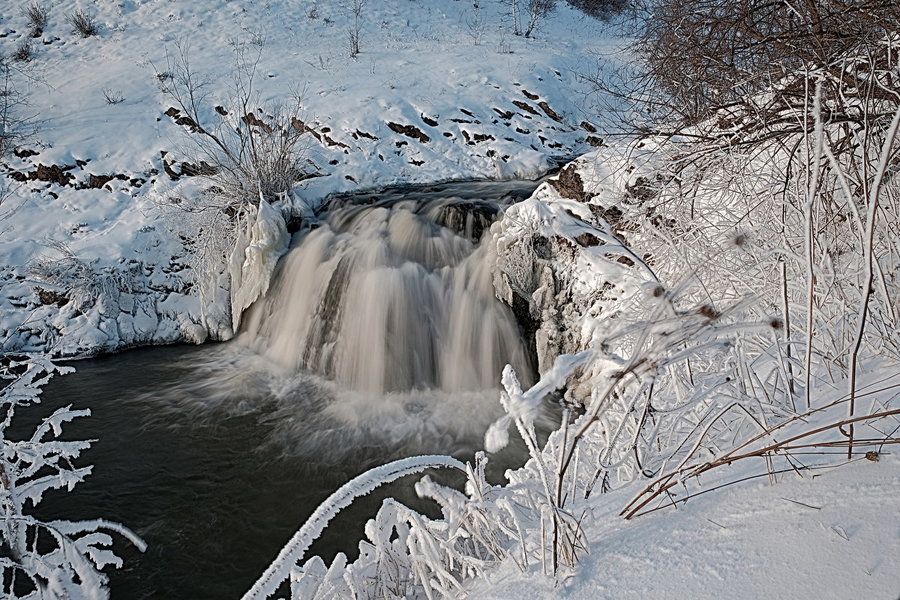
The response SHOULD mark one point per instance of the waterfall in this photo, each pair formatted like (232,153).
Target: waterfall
(391,296)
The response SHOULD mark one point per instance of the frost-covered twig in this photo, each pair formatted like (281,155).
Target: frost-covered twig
(869,265)
(68,568)
(293,551)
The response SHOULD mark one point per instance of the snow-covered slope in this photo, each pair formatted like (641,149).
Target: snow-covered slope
(440,90)
(829,537)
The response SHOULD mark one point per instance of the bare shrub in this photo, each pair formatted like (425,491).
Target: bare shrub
(476,24)
(355,7)
(24,52)
(251,150)
(533,10)
(709,54)
(83,23)
(113,96)
(537,10)
(37,18)
(599,9)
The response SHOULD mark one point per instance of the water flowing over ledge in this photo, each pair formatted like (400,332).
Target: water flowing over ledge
(392,296)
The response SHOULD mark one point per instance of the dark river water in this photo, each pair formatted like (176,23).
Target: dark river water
(215,456)
(214,489)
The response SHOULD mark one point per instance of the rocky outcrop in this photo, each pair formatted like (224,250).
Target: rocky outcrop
(564,266)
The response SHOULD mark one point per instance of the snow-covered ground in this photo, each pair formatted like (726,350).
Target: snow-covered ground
(440,90)
(831,537)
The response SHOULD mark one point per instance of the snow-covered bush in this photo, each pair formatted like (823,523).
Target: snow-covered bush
(781,174)
(253,158)
(38,558)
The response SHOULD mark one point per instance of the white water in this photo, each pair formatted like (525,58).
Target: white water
(383,299)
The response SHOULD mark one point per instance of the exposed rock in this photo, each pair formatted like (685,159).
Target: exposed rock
(25,152)
(183,120)
(526,107)
(191,170)
(568,184)
(476,138)
(331,142)
(253,121)
(547,270)
(587,240)
(641,190)
(98,181)
(47,297)
(53,173)
(550,112)
(409,131)
(365,135)
(298,125)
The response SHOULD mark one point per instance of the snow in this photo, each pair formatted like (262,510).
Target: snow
(831,536)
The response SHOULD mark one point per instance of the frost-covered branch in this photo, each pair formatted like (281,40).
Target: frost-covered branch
(293,551)
(56,559)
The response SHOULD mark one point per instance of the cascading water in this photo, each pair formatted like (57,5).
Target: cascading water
(391,297)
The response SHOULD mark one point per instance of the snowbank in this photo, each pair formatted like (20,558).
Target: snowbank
(832,536)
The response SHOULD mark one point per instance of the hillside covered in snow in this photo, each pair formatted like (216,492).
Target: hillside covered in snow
(104,195)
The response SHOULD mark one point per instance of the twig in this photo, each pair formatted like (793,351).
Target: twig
(803,504)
